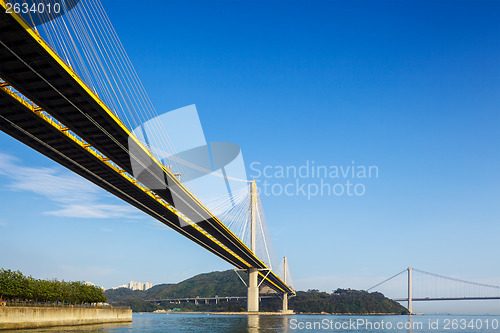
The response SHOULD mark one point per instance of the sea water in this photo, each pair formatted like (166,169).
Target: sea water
(197,323)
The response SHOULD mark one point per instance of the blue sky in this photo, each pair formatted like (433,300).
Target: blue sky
(411,87)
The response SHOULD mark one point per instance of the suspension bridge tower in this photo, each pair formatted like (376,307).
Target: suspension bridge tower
(253,273)
(409,291)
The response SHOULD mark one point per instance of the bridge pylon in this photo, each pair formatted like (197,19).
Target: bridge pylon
(285,295)
(253,273)
(409,291)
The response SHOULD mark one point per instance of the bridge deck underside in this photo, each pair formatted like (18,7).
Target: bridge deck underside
(29,67)
(39,135)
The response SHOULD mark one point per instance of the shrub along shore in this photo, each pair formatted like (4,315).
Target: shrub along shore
(16,286)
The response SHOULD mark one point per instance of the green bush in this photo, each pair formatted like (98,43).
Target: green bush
(15,286)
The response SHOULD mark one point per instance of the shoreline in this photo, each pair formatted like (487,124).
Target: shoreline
(244,313)
(19,317)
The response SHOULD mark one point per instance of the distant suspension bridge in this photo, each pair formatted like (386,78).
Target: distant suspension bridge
(434,287)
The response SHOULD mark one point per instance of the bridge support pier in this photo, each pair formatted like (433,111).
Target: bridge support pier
(253,291)
(253,273)
(285,295)
(285,303)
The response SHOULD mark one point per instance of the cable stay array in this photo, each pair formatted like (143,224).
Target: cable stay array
(234,211)
(87,41)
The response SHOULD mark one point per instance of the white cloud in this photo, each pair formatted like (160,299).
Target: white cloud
(95,211)
(76,196)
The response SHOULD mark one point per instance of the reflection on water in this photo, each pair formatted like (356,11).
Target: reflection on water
(410,324)
(253,323)
(78,329)
(201,323)
(285,323)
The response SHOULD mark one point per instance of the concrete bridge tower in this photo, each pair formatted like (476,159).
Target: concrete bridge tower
(253,273)
(286,279)
(409,291)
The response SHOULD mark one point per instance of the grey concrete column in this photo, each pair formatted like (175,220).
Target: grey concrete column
(285,295)
(253,273)
(253,291)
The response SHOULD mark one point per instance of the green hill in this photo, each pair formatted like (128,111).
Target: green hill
(345,301)
(227,283)
(224,283)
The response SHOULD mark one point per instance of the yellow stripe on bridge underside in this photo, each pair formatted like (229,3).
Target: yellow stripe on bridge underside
(36,37)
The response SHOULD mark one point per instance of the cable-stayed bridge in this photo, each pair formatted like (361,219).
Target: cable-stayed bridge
(423,286)
(69,91)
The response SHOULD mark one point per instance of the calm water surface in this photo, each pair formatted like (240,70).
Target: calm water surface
(296,323)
